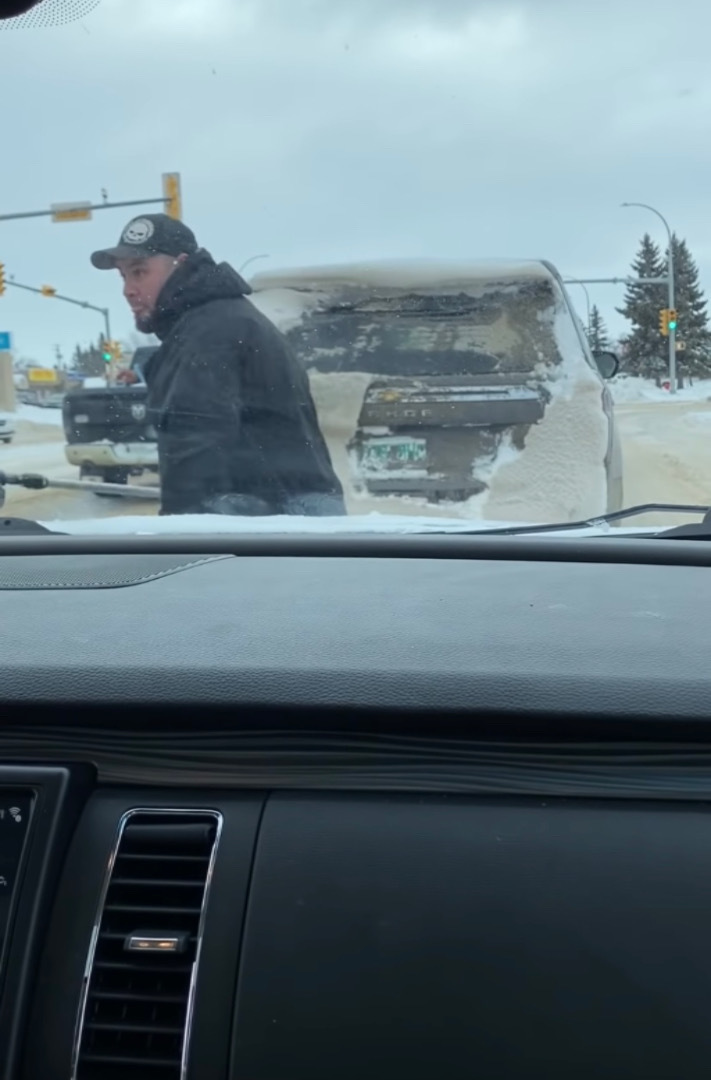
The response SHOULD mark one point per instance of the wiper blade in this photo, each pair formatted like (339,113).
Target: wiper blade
(37,482)
(606,519)
(25,527)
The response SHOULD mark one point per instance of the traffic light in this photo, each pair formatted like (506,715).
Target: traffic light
(172,196)
(2,278)
(664,322)
(48,290)
(671,319)
(111,351)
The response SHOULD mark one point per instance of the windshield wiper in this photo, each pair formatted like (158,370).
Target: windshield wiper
(609,519)
(25,527)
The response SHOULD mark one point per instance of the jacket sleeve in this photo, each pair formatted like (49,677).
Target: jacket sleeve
(200,420)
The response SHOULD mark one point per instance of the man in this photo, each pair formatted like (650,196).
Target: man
(237,428)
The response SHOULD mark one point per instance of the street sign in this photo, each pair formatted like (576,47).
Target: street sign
(680,346)
(41,375)
(78,211)
(5,341)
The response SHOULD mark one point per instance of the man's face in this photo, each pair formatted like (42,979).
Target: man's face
(143,280)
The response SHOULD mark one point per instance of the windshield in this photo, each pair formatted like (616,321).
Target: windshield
(270,266)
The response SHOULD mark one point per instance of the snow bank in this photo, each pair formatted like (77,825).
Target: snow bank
(34,414)
(631,390)
(44,457)
(402,274)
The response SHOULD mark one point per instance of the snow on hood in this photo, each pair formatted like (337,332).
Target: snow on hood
(403,274)
(363,525)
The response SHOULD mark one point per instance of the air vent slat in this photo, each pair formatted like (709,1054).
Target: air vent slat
(132,995)
(149,909)
(134,1029)
(136,1010)
(103,1059)
(154,882)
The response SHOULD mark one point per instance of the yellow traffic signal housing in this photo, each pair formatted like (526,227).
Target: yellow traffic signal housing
(48,290)
(111,351)
(172,195)
(2,278)
(671,319)
(664,322)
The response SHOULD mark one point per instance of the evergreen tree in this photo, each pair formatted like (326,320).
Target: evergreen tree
(645,351)
(90,361)
(598,336)
(692,316)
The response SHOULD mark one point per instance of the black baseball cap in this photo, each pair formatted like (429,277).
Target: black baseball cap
(149,234)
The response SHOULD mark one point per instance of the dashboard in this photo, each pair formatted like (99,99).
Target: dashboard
(297,808)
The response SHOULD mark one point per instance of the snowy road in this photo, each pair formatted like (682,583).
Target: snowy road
(667,456)
(666,446)
(38,447)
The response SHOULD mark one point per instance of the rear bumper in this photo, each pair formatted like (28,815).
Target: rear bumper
(143,455)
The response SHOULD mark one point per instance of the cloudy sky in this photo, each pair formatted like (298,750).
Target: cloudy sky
(329,130)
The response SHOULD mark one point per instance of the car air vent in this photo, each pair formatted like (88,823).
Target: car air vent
(141,970)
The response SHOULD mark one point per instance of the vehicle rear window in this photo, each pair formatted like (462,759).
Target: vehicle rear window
(510,328)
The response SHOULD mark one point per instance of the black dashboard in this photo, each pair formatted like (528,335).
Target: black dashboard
(297,808)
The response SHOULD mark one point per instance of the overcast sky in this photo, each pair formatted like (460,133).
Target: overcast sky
(330,130)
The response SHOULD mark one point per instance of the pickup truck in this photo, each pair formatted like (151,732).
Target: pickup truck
(107,433)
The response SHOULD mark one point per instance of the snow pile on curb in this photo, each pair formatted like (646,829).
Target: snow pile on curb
(632,389)
(35,414)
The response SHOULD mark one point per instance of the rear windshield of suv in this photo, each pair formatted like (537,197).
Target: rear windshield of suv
(505,329)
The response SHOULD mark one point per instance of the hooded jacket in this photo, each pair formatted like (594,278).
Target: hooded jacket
(237,427)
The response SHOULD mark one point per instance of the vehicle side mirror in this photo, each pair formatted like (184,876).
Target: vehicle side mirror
(608,364)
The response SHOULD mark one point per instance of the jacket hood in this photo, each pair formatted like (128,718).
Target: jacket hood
(197,281)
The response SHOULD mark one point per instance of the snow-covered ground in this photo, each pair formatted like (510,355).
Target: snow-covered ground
(36,415)
(628,389)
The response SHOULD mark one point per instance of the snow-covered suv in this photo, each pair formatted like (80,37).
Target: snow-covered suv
(470,384)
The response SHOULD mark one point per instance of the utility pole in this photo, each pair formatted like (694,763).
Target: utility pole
(671,290)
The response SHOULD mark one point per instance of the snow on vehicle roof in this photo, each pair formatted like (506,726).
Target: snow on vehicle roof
(402,274)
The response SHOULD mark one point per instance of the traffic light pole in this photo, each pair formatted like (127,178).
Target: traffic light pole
(672,326)
(171,200)
(67,300)
(98,206)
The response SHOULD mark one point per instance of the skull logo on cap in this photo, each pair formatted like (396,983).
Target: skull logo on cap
(138,231)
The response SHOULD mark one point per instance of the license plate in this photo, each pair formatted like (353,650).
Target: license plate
(394,453)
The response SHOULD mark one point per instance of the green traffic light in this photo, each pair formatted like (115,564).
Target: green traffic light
(107,357)
(672,325)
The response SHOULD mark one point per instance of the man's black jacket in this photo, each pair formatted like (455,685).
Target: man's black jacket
(237,427)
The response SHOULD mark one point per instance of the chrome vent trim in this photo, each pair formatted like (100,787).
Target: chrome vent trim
(217,818)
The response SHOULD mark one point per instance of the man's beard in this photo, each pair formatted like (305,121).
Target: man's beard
(144,323)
